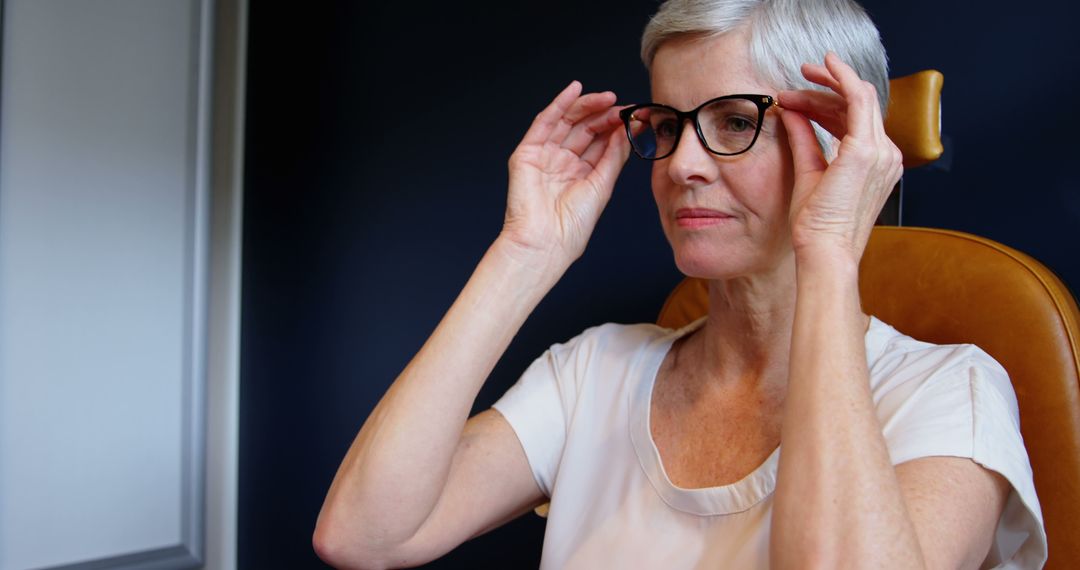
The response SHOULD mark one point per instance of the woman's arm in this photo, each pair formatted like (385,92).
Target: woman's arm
(419,479)
(839,500)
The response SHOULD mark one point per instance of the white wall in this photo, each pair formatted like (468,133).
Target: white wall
(105,246)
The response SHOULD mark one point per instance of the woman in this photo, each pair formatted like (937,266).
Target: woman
(660,448)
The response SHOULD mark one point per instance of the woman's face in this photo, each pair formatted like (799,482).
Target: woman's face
(725,216)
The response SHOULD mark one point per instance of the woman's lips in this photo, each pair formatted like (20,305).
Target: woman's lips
(700,217)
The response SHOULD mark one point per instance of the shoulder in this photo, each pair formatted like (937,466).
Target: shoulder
(937,399)
(957,401)
(613,338)
(571,388)
(902,367)
(610,352)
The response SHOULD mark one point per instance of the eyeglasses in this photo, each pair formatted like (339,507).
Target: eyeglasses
(725,125)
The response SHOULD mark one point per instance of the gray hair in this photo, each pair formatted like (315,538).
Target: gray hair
(784,34)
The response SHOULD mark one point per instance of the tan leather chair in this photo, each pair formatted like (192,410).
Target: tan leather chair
(949,287)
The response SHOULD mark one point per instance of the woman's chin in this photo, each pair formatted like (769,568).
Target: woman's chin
(727,265)
(711,268)
(737,259)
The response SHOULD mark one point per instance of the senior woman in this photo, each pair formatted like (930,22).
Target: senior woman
(661,448)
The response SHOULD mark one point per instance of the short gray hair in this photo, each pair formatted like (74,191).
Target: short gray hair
(784,34)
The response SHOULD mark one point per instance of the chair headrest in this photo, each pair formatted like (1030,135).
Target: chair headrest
(914,118)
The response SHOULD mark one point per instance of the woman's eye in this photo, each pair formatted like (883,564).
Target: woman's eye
(738,124)
(665,129)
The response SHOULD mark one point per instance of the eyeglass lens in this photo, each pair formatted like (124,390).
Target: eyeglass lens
(728,126)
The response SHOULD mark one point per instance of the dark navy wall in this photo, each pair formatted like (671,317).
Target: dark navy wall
(377,140)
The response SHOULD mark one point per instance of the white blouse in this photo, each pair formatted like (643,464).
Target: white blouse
(581,411)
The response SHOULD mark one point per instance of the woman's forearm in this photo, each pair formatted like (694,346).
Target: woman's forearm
(838,502)
(397,467)
(561,176)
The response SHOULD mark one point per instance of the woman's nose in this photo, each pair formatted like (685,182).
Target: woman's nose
(691,164)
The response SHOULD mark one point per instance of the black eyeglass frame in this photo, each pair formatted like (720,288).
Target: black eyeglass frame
(763,103)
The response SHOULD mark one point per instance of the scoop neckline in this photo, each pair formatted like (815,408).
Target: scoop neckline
(732,498)
(736,497)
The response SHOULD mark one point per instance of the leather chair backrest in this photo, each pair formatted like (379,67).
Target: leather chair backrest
(949,287)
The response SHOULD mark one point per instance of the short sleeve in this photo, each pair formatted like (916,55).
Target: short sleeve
(964,406)
(536,408)
(998,446)
(563,394)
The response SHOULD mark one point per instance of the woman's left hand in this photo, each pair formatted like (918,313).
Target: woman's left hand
(834,205)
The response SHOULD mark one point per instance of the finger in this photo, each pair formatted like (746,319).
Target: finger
(583,107)
(586,131)
(547,119)
(616,151)
(820,75)
(588,104)
(597,147)
(832,77)
(863,113)
(826,109)
(805,152)
(595,150)
(847,80)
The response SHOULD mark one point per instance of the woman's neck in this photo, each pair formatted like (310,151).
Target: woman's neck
(747,335)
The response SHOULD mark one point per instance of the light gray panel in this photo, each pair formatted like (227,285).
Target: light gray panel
(160,559)
(223,324)
(102,277)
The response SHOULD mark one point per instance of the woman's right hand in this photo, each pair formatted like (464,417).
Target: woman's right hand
(561,176)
